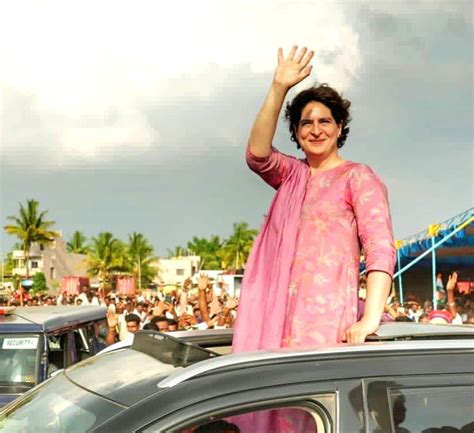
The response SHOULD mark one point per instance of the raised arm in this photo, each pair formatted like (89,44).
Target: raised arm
(289,72)
(450,286)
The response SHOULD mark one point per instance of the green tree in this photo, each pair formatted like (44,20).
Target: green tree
(78,243)
(8,264)
(209,250)
(31,227)
(176,252)
(237,247)
(39,284)
(141,255)
(107,255)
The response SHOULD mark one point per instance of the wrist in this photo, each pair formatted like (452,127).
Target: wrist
(370,321)
(279,88)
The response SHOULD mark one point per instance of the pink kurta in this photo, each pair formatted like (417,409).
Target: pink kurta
(300,284)
(343,207)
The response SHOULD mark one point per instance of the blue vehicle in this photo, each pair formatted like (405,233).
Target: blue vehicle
(37,341)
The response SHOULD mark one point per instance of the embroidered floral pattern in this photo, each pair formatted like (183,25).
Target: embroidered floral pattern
(342,206)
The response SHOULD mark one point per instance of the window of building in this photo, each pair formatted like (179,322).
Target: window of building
(52,273)
(34,264)
(179,271)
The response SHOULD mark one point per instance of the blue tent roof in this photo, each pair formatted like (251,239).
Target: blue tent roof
(456,252)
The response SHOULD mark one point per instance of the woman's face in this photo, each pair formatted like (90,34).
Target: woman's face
(317,131)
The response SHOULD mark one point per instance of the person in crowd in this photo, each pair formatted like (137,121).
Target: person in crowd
(83,296)
(447,312)
(172,325)
(423,318)
(132,325)
(161,323)
(305,261)
(221,317)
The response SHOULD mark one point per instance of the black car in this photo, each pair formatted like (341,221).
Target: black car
(409,378)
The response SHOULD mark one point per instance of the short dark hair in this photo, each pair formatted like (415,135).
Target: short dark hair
(132,318)
(327,96)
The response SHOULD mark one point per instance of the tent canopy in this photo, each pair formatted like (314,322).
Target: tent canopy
(456,253)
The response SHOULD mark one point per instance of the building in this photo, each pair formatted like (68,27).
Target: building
(53,260)
(175,270)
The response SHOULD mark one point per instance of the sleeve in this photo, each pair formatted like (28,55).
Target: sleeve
(370,203)
(274,168)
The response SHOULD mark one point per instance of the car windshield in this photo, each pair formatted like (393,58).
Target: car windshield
(18,362)
(58,404)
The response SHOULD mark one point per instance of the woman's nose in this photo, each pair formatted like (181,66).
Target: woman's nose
(315,129)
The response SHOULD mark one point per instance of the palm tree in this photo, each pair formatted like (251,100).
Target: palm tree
(77,243)
(141,254)
(106,256)
(30,227)
(237,247)
(208,250)
(176,252)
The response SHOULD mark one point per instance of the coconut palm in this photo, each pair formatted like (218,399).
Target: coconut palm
(208,250)
(31,227)
(141,254)
(237,247)
(77,243)
(176,252)
(107,255)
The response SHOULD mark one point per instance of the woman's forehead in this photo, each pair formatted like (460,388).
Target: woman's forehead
(315,109)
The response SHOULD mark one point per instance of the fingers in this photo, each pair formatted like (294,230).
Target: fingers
(292,53)
(306,71)
(298,57)
(355,335)
(305,61)
(280,56)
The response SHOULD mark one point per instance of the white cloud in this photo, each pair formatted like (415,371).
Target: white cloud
(83,60)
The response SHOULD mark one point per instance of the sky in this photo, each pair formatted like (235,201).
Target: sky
(133,116)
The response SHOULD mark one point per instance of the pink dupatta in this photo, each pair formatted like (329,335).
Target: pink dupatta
(263,299)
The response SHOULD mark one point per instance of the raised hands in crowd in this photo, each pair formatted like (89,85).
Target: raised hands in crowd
(191,308)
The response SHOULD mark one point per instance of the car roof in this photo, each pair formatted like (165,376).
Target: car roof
(333,351)
(38,319)
(159,361)
(203,337)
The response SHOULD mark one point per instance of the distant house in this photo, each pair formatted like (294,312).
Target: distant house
(175,270)
(53,260)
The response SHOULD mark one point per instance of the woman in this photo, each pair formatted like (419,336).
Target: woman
(301,280)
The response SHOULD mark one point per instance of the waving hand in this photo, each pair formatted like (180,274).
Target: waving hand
(293,68)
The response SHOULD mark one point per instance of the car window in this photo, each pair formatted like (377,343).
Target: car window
(283,420)
(56,352)
(18,361)
(315,415)
(82,343)
(415,406)
(58,404)
(432,409)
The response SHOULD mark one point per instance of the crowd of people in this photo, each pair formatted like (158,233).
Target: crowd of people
(452,306)
(202,307)
(198,306)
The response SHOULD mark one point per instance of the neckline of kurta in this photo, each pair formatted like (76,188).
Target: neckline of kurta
(329,170)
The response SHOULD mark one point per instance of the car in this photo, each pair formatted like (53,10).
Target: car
(37,341)
(408,378)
